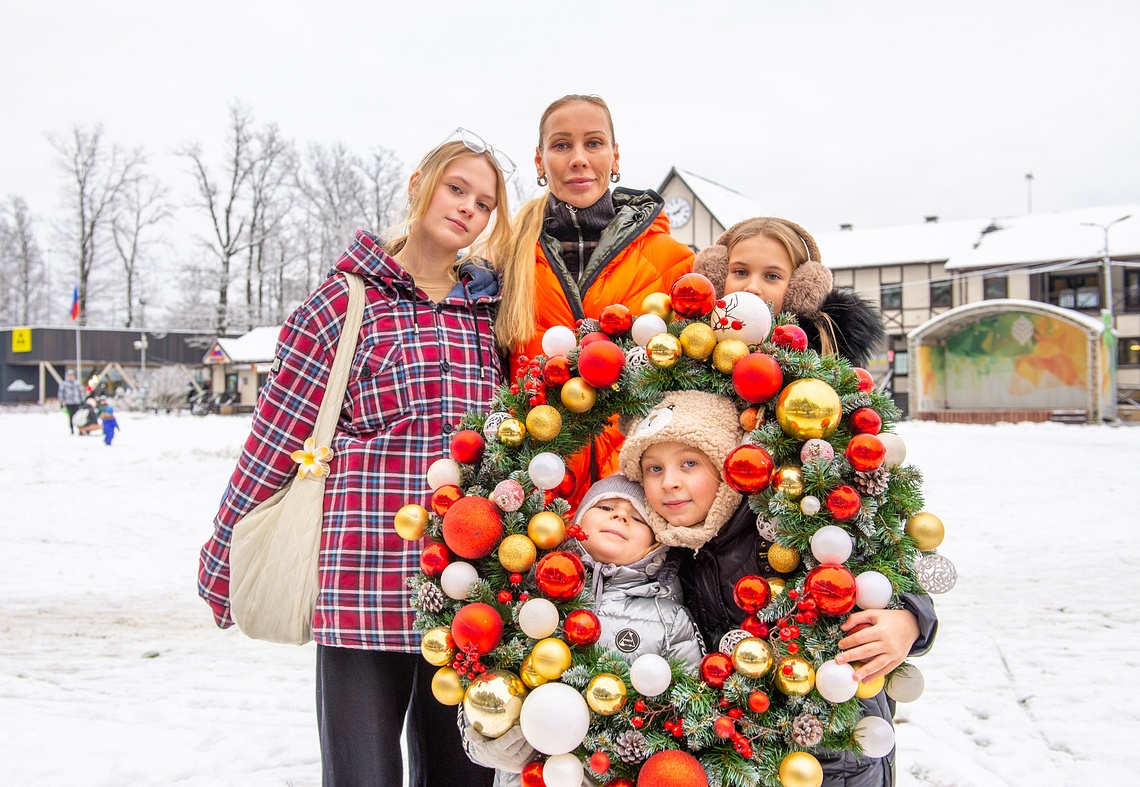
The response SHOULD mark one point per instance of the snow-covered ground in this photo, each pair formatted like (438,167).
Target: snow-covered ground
(113,673)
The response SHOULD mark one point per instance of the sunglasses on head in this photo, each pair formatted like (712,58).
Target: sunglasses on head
(476,144)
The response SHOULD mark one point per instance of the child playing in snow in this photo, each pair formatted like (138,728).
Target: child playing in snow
(110,425)
(639,613)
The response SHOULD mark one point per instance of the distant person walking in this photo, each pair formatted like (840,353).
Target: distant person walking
(110,425)
(70,397)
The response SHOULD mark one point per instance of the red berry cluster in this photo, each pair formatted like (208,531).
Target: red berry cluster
(529,378)
(675,724)
(575,531)
(468,663)
(726,321)
(725,726)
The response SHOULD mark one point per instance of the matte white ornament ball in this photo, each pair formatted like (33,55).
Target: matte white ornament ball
(554,718)
(936,574)
(558,340)
(546,470)
(873,590)
(875,735)
(835,682)
(650,675)
(508,495)
(896,449)
(442,472)
(563,770)
(809,504)
(538,618)
(831,544)
(744,316)
(457,579)
(906,684)
(816,448)
(491,426)
(646,327)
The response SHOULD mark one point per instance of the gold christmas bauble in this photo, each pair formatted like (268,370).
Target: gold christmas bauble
(808,408)
(511,432)
(698,340)
(445,686)
(783,559)
(544,423)
(546,529)
(726,354)
(411,521)
(606,693)
(926,529)
(437,646)
(794,676)
(529,677)
(658,303)
(800,769)
(663,350)
(493,702)
(777,586)
(752,657)
(869,689)
(550,658)
(517,553)
(578,396)
(789,479)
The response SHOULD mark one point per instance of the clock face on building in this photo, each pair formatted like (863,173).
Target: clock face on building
(678,211)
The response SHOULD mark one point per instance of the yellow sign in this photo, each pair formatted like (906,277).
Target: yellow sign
(21,340)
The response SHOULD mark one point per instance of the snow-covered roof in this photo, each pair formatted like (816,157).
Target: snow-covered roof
(726,205)
(257,346)
(988,243)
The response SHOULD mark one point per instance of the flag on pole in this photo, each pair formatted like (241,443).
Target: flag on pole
(75,303)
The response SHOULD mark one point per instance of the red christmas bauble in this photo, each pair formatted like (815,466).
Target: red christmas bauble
(560,575)
(754,626)
(866,421)
(616,319)
(790,336)
(832,588)
(758,702)
(693,296)
(724,727)
(757,377)
(467,446)
(434,559)
(479,625)
(748,469)
(600,363)
(532,774)
(590,338)
(865,452)
(751,593)
(672,768)
(619,783)
(866,379)
(715,669)
(599,762)
(568,485)
(582,628)
(844,502)
(472,527)
(445,497)
(556,371)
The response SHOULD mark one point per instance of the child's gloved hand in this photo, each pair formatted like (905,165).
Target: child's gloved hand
(509,752)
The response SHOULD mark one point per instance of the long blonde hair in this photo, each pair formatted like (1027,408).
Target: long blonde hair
(489,245)
(515,325)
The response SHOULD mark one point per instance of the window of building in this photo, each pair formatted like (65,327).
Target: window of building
(995,287)
(1128,351)
(901,363)
(1132,290)
(941,294)
(890,296)
(1075,291)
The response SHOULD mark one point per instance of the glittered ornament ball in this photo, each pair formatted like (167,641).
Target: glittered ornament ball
(479,625)
(698,340)
(543,423)
(600,363)
(672,768)
(727,354)
(472,527)
(517,553)
(783,559)
(693,296)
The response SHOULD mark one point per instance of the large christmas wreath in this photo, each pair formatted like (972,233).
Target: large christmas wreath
(501,601)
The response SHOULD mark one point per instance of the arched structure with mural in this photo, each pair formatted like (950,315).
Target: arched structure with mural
(1009,360)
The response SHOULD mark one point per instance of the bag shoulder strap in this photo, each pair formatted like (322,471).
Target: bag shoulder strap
(333,399)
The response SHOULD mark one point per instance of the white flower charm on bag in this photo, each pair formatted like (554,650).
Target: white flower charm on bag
(313,459)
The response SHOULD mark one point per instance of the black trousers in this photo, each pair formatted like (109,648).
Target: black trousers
(363,697)
(72,409)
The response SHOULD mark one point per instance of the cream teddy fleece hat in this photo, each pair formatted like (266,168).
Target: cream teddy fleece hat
(704,421)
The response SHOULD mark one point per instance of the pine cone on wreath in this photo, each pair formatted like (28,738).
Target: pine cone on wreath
(873,483)
(630,747)
(430,598)
(588,325)
(807,730)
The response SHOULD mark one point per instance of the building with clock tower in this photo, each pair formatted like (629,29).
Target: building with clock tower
(699,210)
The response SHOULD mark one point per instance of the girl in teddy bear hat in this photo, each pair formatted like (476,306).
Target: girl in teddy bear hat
(677,452)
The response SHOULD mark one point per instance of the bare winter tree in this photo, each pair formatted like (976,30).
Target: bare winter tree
(270,200)
(142,208)
(384,188)
(25,291)
(97,175)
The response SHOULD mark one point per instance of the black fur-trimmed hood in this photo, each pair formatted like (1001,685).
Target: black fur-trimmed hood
(859,331)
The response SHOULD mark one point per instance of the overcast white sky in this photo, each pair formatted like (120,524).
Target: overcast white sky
(873,113)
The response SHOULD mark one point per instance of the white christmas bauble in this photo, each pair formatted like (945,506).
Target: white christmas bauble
(896,449)
(546,470)
(766,528)
(730,640)
(875,735)
(442,472)
(936,574)
(744,316)
(905,684)
(815,448)
(508,495)
(831,544)
(650,675)
(872,590)
(636,359)
(538,618)
(554,718)
(563,770)
(646,327)
(491,426)
(457,579)
(835,682)
(809,504)
(558,340)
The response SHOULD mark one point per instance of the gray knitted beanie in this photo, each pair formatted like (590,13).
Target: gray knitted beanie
(616,485)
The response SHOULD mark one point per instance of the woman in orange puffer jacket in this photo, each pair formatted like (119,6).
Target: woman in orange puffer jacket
(580,248)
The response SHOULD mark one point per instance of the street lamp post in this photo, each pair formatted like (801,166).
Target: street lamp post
(1109,317)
